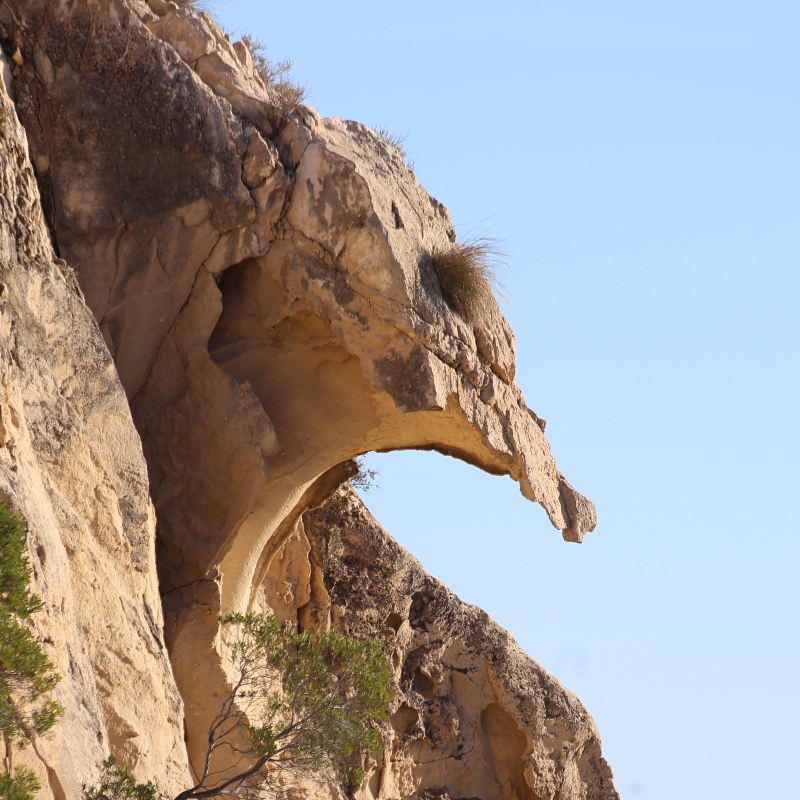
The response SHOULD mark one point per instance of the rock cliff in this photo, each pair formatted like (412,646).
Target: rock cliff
(263,282)
(71,463)
(473,716)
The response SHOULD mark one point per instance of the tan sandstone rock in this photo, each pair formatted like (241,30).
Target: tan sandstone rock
(72,465)
(265,286)
(473,716)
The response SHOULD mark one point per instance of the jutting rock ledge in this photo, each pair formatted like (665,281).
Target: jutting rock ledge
(265,289)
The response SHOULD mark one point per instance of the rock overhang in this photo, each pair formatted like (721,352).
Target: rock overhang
(315,232)
(267,292)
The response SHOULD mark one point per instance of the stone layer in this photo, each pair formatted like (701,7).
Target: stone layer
(473,715)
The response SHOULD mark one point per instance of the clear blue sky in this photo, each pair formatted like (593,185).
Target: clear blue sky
(642,162)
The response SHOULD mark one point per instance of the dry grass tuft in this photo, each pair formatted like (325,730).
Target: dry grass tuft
(392,140)
(197,6)
(468,275)
(287,93)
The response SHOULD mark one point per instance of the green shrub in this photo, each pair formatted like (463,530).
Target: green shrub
(467,274)
(23,786)
(117,783)
(26,674)
(307,703)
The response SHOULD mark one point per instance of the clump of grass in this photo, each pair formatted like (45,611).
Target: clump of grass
(468,276)
(196,5)
(286,93)
(392,140)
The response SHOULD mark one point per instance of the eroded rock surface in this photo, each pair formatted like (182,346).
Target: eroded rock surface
(71,464)
(264,285)
(473,715)
(221,254)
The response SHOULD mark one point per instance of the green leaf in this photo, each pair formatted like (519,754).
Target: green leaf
(22,786)
(117,783)
(26,673)
(311,699)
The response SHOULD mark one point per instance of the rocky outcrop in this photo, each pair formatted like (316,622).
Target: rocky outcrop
(473,716)
(284,270)
(72,465)
(264,284)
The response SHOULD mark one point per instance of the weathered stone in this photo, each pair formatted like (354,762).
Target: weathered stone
(71,464)
(323,265)
(265,286)
(472,716)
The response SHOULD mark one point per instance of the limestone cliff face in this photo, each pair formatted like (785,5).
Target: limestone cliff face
(71,463)
(265,288)
(473,716)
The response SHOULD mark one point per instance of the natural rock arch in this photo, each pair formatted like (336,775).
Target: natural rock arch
(266,292)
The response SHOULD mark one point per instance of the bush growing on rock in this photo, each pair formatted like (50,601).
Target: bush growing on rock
(287,93)
(301,704)
(395,141)
(26,674)
(117,783)
(306,702)
(365,478)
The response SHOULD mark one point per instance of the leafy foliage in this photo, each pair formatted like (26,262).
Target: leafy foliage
(306,702)
(467,273)
(286,93)
(117,783)
(26,674)
(23,786)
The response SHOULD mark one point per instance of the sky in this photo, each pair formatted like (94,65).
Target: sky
(641,163)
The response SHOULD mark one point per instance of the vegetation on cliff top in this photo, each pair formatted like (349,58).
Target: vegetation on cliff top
(468,276)
(306,701)
(286,93)
(275,74)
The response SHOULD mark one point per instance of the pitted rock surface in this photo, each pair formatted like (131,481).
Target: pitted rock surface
(264,285)
(71,464)
(473,715)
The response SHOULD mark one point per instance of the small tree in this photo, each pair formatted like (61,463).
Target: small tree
(300,702)
(26,674)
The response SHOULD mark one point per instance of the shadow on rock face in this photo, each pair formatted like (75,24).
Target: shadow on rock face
(267,295)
